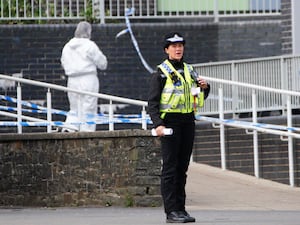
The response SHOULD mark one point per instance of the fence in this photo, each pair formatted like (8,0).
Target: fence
(222,99)
(103,10)
(281,72)
(27,107)
(283,131)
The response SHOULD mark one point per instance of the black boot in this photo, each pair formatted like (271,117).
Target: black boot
(188,218)
(176,217)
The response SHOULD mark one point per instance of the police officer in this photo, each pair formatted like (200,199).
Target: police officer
(175,93)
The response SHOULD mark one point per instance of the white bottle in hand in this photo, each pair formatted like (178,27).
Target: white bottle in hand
(167,131)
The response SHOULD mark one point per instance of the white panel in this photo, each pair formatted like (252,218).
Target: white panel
(296,26)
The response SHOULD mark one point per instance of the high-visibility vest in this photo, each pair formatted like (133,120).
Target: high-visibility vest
(176,96)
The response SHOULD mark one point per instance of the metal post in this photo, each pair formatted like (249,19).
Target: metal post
(222,130)
(255,138)
(110,116)
(235,90)
(102,11)
(19,108)
(144,122)
(216,11)
(49,113)
(284,85)
(290,142)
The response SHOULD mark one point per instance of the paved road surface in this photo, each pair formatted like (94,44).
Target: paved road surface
(215,197)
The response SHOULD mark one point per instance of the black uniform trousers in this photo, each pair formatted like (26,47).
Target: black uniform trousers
(176,153)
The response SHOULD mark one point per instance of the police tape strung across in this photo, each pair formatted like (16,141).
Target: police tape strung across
(92,119)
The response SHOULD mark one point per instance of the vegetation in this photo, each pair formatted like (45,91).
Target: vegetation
(37,11)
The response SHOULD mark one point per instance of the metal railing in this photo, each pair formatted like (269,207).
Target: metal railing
(103,10)
(49,111)
(252,98)
(283,131)
(281,72)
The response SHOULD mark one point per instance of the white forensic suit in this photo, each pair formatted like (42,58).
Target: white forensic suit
(80,59)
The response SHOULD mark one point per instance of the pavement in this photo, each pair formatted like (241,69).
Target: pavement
(214,197)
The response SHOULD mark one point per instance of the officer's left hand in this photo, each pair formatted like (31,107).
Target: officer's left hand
(202,83)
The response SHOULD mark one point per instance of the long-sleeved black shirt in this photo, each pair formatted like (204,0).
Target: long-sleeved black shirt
(157,84)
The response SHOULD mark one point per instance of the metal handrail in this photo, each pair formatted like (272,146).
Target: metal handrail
(252,86)
(110,98)
(66,89)
(256,128)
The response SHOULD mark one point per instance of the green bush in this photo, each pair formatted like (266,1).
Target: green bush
(22,11)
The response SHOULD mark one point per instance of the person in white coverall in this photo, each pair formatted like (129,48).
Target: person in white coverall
(80,59)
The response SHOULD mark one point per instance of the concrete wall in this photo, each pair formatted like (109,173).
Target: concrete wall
(120,168)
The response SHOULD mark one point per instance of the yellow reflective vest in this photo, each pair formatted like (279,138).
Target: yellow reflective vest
(176,95)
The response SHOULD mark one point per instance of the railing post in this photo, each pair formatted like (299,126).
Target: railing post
(102,11)
(222,130)
(284,85)
(216,11)
(290,142)
(144,122)
(19,108)
(255,138)
(235,90)
(49,113)
(111,116)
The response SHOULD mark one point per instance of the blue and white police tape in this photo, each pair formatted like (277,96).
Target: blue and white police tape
(34,107)
(96,117)
(129,12)
(59,123)
(13,109)
(248,124)
(14,100)
(40,109)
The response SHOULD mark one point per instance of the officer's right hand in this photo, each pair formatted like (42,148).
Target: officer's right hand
(160,130)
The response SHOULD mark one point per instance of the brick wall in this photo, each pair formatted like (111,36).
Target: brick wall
(36,50)
(120,168)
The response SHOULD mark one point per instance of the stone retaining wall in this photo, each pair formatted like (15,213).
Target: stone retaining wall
(70,169)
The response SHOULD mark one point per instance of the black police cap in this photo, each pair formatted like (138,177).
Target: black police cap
(173,37)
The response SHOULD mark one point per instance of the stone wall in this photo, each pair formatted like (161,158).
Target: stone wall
(120,168)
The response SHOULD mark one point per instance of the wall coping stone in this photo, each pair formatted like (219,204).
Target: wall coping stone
(76,135)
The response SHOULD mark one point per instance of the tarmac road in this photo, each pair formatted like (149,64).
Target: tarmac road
(214,197)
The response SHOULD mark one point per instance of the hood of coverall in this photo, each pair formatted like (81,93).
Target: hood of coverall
(83,30)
